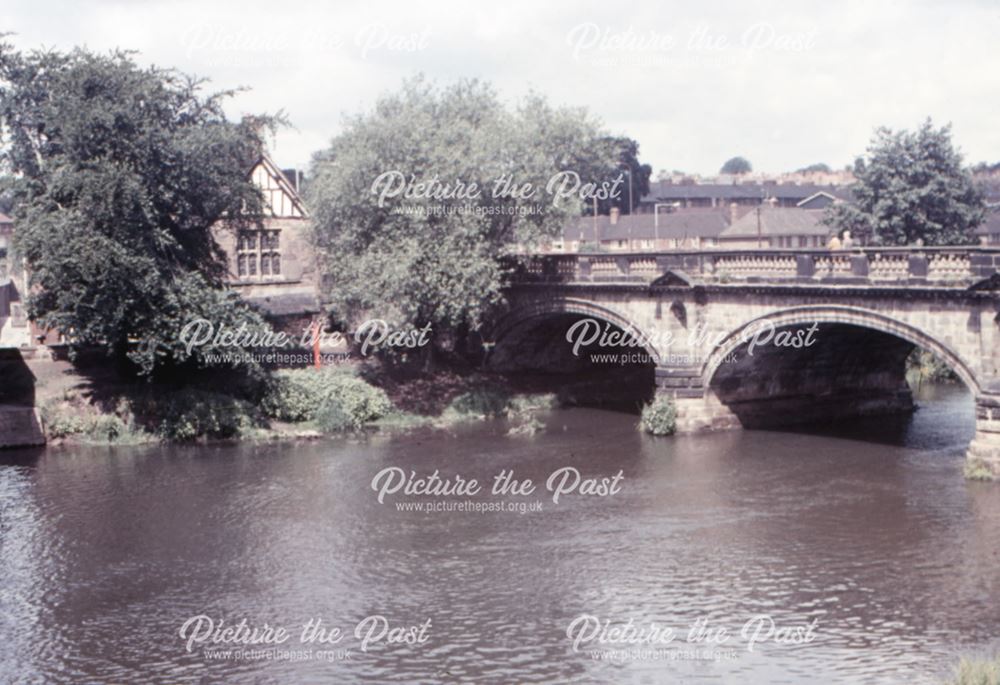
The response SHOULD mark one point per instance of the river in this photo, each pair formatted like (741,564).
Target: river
(865,543)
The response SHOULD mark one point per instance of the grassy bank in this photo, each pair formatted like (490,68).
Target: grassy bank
(99,408)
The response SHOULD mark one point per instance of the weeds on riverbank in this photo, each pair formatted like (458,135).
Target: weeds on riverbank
(978,470)
(521,411)
(291,403)
(659,417)
(924,367)
(973,671)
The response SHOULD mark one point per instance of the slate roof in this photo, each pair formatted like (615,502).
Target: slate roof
(664,191)
(681,224)
(779,221)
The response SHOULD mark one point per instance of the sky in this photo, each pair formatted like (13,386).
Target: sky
(782,84)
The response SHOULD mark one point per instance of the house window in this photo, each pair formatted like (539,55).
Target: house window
(258,252)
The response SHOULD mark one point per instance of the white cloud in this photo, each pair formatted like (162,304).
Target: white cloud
(784,85)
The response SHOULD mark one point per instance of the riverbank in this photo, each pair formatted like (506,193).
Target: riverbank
(93,406)
(90,404)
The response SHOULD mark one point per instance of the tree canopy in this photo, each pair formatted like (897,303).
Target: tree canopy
(635,173)
(118,175)
(819,167)
(400,233)
(911,186)
(736,166)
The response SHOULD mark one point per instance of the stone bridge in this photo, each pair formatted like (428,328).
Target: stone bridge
(720,327)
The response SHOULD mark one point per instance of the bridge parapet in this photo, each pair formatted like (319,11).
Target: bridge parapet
(959,267)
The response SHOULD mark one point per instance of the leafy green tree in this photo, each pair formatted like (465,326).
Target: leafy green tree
(736,166)
(911,186)
(419,258)
(632,171)
(119,174)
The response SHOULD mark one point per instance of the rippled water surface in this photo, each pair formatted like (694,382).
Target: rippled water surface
(870,530)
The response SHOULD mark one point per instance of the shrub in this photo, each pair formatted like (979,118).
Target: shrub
(659,417)
(60,423)
(361,401)
(306,394)
(192,413)
(332,417)
(112,429)
(71,417)
(487,402)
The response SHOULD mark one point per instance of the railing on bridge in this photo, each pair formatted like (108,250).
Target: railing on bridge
(942,266)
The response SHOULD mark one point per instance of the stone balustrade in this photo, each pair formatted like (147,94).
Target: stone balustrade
(893,266)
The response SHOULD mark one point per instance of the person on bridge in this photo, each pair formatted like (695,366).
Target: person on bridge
(834,243)
(848,242)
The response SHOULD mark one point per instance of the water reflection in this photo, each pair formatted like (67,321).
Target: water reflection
(105,553)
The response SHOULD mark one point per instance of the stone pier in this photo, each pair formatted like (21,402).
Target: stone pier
(984,450)
(694,311)
(20,427)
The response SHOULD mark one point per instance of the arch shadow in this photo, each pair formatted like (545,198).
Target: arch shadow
(838,314)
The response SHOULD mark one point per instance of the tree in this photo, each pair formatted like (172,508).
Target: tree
(119,174)
(911,186)
(631,171)
(434,253)
(736,166)
(819,168)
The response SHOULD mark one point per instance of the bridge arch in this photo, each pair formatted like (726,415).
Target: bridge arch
(556,306)
(846,315)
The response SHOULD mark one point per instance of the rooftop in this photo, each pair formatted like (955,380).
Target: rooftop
(680,224)
(778,221)
(665,191)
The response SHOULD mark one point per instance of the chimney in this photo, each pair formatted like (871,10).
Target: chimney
(614,215)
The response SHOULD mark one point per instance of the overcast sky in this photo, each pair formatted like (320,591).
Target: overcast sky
(783,84)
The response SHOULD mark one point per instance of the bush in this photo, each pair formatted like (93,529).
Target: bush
(59,423)
(486,402)
(313,394)
(332,417)
(72,417)
(112,429)
(191,413)
(659,417)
